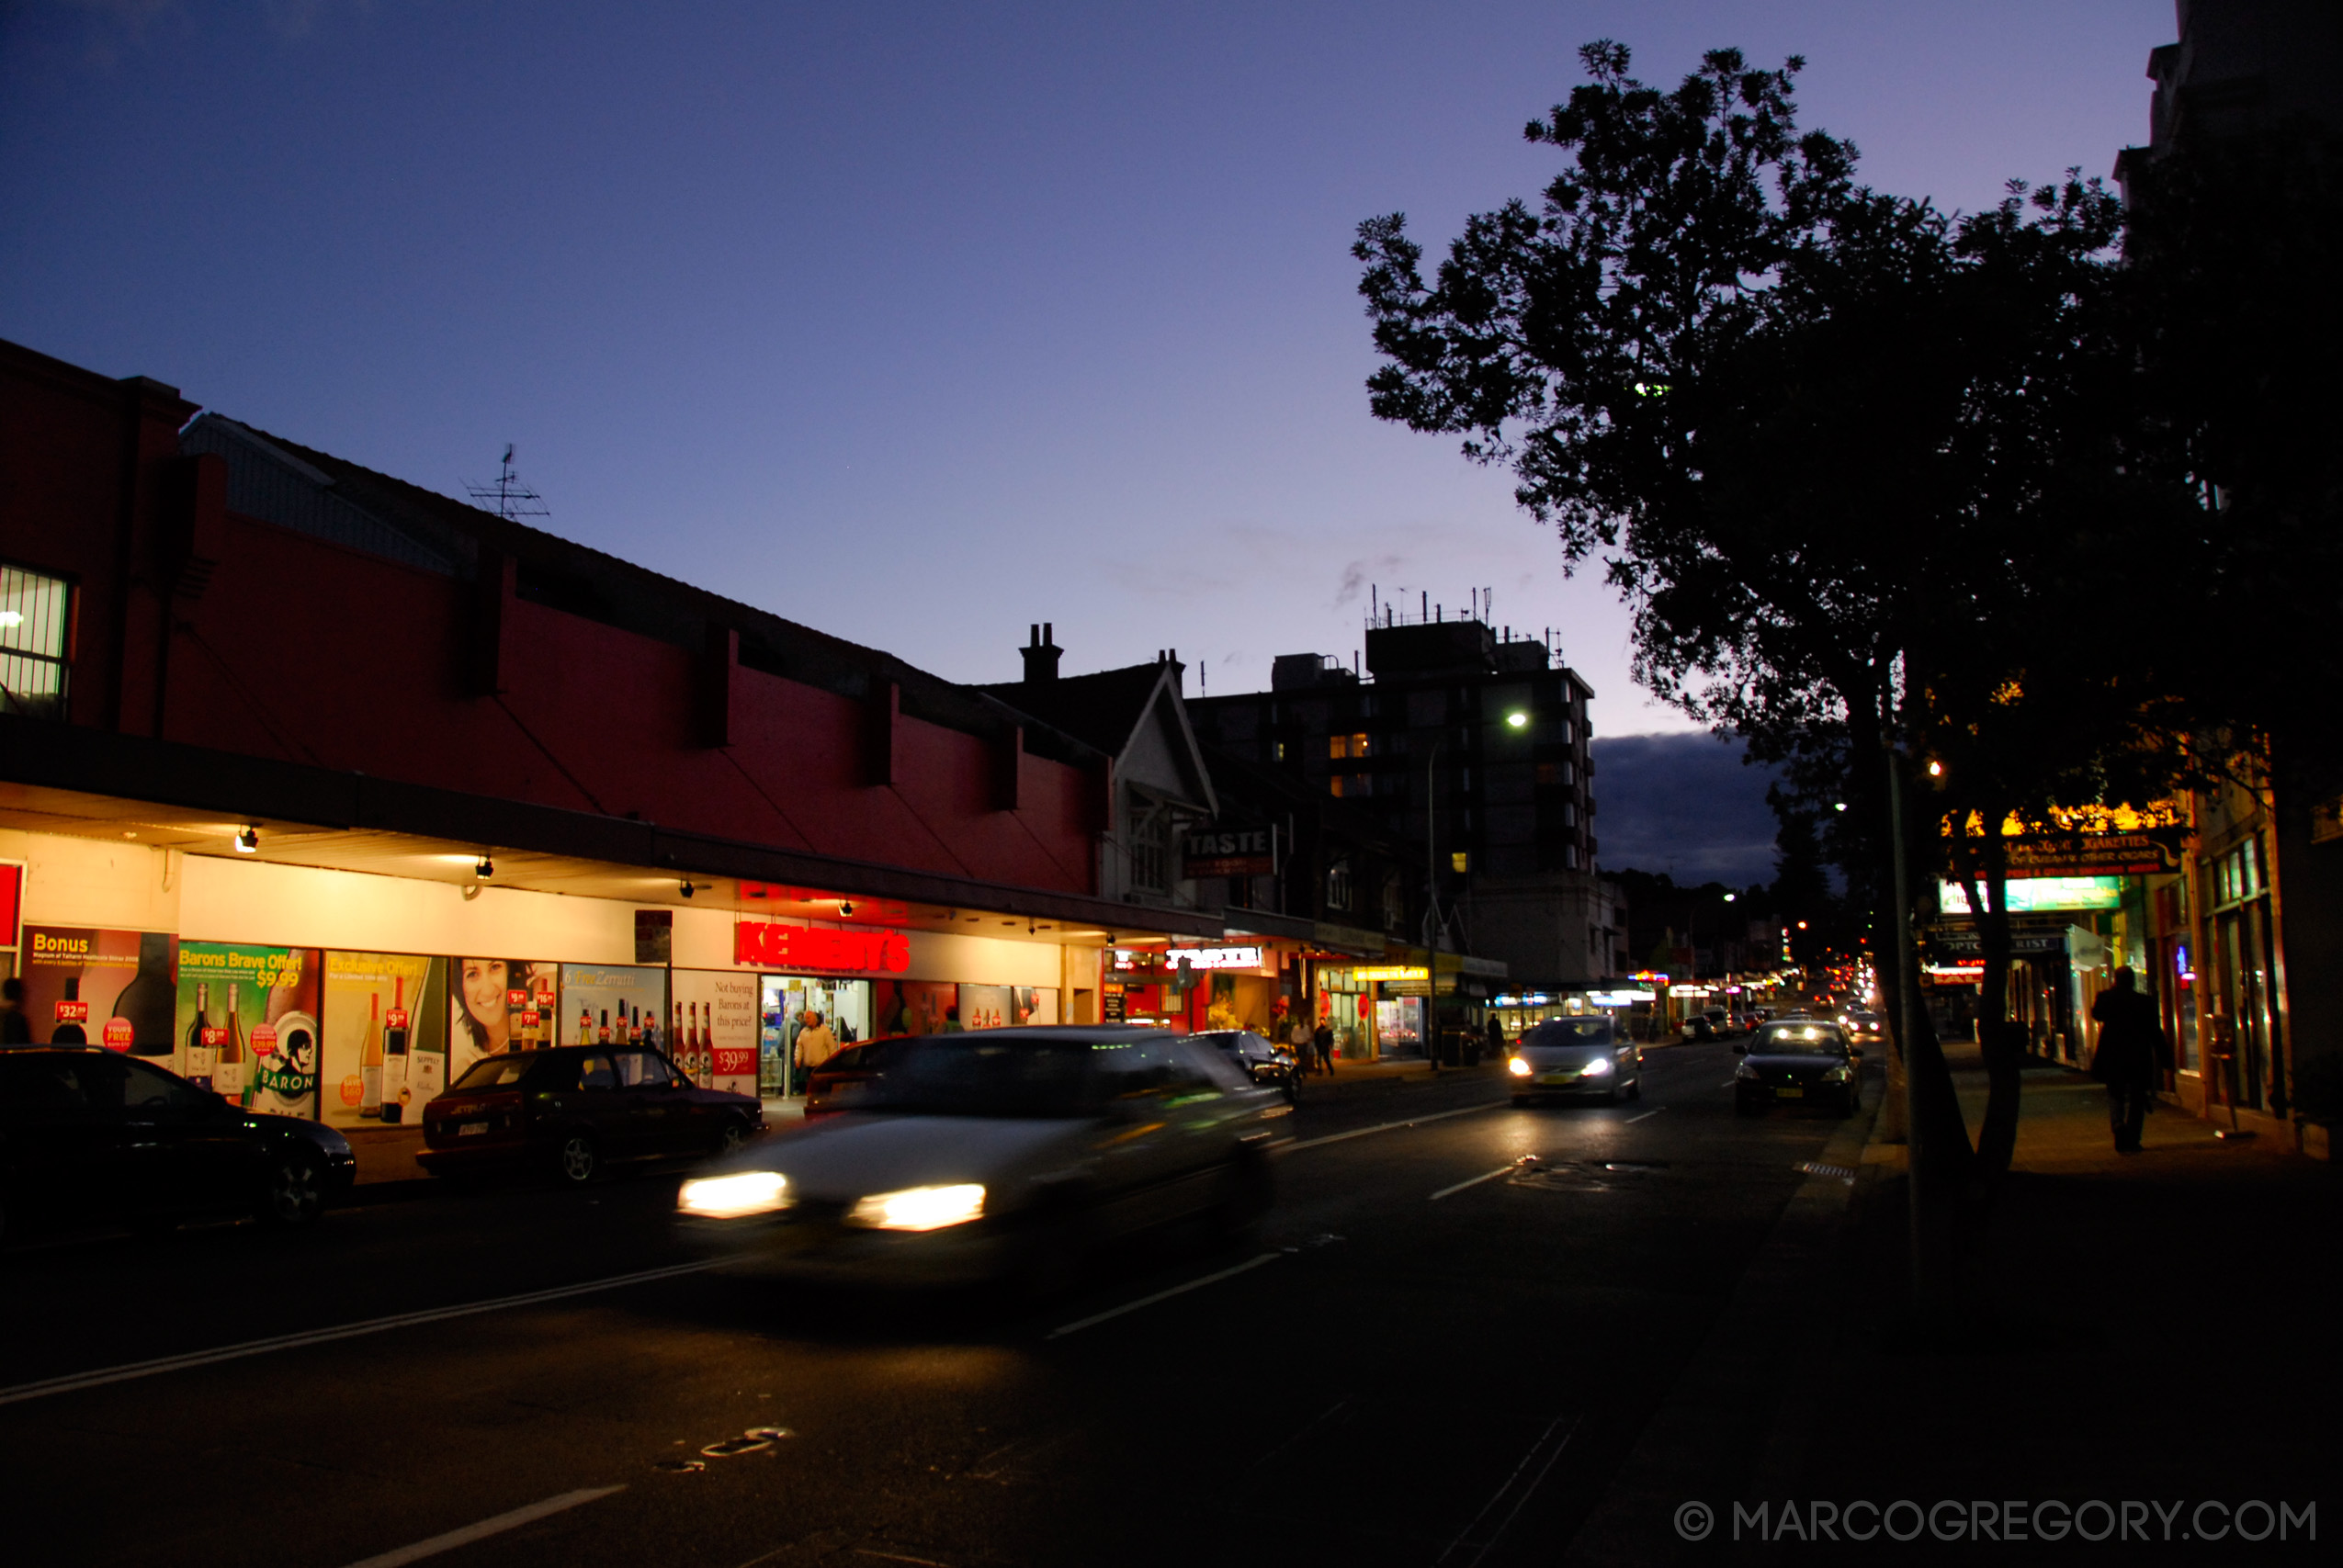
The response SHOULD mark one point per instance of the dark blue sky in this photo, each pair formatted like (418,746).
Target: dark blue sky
(915,323)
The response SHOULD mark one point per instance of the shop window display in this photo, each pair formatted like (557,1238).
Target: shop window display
(499,1005)
(803,1022)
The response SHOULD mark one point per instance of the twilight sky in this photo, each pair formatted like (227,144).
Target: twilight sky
(915,323)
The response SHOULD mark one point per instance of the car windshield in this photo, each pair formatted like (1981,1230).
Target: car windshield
(494,1072)
(1798,1040)
(1571,1032)
(969,1075)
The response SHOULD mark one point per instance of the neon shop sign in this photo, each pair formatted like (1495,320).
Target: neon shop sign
(765,943)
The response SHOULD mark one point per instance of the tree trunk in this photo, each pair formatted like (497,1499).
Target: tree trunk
(1997,1041)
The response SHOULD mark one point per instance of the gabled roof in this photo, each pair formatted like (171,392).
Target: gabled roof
(1110,710)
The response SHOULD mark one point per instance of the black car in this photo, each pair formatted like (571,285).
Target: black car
(1265,1063)
(91,1136)
(575,1109)
(848,1077)
(1802,1062)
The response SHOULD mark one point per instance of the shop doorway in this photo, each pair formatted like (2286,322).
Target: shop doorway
(835,1012)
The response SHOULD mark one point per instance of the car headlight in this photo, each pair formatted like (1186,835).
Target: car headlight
(919,1208)
(1599,1068)
(1517,1066)
(1745,1072)
(1836,1074)
(732,1197)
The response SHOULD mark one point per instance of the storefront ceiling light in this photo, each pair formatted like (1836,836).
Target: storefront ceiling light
(248,842)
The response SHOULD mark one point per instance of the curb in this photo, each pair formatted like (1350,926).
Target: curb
(1731,1425)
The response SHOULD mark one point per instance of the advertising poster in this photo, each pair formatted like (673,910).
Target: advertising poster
(246,1024)
(712,1029)
(85,986)
(909,1007)
(1033,1004)
(496,1005)
(386,1037)
(623,999)
(984,1007)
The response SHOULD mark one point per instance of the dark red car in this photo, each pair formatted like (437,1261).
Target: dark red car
(575,1109)
(847,1077)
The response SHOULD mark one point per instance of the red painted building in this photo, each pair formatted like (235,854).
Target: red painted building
(260,697)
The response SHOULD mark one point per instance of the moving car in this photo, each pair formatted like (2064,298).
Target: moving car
(844,1081)
(89,1135)
(1575,1055)
(996,1153)
(1862,1026)
(1258,1059)
(1808,1062)
(576,1109)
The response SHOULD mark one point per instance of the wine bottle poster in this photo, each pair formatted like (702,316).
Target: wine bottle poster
(711,1028)
(496,1005)
(86,986)
(984,1007)
(245,1024)
(614,998)
(385,1039)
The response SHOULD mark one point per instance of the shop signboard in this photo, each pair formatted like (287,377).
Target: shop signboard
(12,911)
(1230,851)
(2031,894)
(712,1029)
(496,1005)
(2094,854)
(385,1040)
(86,986)
(245,1024)
(1111,1002)
(771,946)
(612,1003)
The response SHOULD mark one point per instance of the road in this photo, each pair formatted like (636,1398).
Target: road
(1436,1356)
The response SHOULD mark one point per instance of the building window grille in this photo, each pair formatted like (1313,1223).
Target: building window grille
(32,643)
(1150,852)
(1337,885)
(1395,905)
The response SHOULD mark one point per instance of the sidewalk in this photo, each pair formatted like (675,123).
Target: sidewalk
(2153,1326)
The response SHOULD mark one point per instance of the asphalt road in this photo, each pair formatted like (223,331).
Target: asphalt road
(1414,1368)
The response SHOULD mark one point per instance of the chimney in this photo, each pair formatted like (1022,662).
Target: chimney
(1041,654)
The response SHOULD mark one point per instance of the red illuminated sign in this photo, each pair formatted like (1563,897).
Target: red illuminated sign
(72,1012)
(806,947)
(118,1034)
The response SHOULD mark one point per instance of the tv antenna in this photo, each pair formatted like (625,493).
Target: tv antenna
(508,497)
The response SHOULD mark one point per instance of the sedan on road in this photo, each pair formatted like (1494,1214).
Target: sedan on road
(575,1109)
(1806,1062)
(997,1153)
(847,1079)
(1575,1057)
(1273,1066)
(89,1135)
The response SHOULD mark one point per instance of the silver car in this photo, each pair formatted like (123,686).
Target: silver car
(1576,1057)
(996,1153)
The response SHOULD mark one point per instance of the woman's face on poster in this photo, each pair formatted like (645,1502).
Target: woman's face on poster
(484,980)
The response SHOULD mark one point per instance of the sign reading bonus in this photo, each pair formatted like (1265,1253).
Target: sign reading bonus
(246,1024)
(386,1036)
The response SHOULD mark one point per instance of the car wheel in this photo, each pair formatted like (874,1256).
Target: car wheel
(1247,1191)
(577,1160)
(732,1135)
(293,1192)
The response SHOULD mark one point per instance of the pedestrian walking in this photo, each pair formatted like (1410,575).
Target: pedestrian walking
(16,1029)
(1297,1039)
(1323,1042)
(2131,1058)
(1496,1038)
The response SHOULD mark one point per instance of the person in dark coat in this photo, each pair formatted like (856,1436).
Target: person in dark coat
(16,1029)
(1323,1042)
(2129,1060)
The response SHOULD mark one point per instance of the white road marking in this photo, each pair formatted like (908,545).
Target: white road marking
(1387,1126)
(1512,1482)
(1653,1111)
(1475,1182)
(72,1381)
(1098,1318)
(486,1527)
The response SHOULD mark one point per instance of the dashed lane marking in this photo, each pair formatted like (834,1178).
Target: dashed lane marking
(1300,1145)
(486,1527)
(161,1364)
(1096,1318)
(1645,1117)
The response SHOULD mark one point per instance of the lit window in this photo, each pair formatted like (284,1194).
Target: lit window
(32,643)
(1337,885)
(1460,862)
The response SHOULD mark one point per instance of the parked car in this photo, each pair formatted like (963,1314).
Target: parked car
(995,1152)
(844,1081)
(1575,1057)
(1270,1064)
(1808,1063)
(1715,1023)
(575,1110)
(88,1135)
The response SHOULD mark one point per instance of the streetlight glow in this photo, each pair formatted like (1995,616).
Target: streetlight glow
(1517,720)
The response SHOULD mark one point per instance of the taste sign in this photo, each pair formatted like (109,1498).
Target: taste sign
(805,947)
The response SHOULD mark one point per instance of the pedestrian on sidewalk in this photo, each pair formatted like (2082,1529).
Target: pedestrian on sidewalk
(16,1029)
(1323,1042)
(1496,1038)
(2131,1058)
